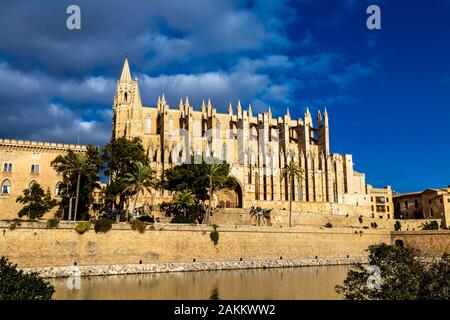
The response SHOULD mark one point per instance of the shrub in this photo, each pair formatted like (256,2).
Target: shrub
(82,227)
(147,218)
(17,285)
(328,225)
(432,225)
(214,235)
(52,223)
(404,276)
(181,219)
(102,225)
(137,225)
(397,226)
(14,224)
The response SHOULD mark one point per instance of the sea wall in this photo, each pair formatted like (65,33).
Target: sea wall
(33,245)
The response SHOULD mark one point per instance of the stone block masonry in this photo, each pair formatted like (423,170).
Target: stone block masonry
(36,246)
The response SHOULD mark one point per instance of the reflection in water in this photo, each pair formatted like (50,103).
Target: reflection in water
(282,283)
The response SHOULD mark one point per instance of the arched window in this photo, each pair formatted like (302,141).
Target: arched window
(32,183)
(6,187)
(58,189)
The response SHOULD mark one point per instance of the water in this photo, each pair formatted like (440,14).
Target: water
(301,283)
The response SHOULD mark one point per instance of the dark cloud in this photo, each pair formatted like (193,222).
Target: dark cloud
(57,84)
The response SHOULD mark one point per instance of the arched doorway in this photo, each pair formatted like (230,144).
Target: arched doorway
(230,198)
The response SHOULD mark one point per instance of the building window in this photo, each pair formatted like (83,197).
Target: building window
(6,187)
(148,125)
(170,126)
(416,204)
(34,168)
(380,200)
(7,167)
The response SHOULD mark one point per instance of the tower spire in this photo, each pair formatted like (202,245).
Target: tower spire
(126,74)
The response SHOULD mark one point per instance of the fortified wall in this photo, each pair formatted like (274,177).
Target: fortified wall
(36,246)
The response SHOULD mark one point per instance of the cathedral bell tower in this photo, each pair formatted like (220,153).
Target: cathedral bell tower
(128,119)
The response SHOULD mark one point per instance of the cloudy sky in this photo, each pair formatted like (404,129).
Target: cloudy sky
(387,91)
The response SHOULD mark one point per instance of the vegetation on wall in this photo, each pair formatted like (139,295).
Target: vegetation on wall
(214,235)
(17,285)
(82,227)
(430,225)
(404,274)
(397,226)
(36,202)
(53,223)
(137,225)
(102,225)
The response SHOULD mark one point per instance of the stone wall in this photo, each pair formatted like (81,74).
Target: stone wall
(431,243)
(31,245)
(281,217)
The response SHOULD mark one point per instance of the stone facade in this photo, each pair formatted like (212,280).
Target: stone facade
(382,205)
(256,145)
(23,163)
(428,204)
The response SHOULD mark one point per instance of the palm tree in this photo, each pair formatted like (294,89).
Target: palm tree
(217,175)
(290,171)
(260,214)
(79,164)
(184,199)
(137,181)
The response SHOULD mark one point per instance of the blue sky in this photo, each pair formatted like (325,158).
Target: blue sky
(387,91)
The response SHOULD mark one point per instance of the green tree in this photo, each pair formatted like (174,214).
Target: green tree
(184,200)
(17,285)
(80,177)
(137,181)
(36,202)
(291,171)
(202,177)
(405,275)
(120,156)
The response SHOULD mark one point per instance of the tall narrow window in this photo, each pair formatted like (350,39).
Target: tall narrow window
(256,186)
(6,187)
(148,125)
